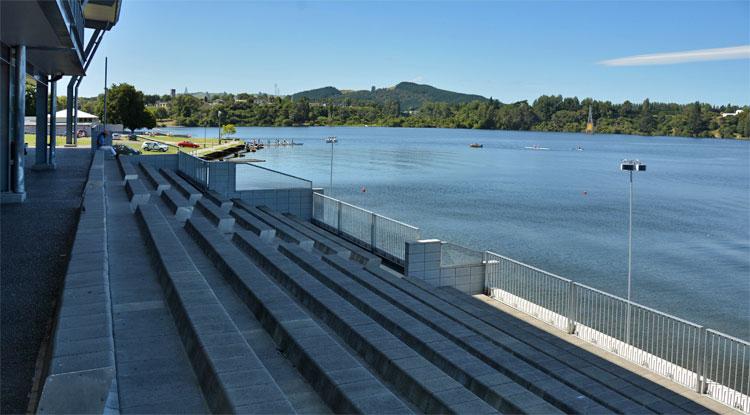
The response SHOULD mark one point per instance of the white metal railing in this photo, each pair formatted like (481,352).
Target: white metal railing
(194,167)
(378,233)
(251,177)
(704,360)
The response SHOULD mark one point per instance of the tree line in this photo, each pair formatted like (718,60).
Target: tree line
(546,113)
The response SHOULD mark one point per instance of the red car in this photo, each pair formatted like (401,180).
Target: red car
(187,143)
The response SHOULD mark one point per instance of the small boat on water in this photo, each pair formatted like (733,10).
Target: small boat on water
(476,145)
(331,139)
(536,147)
(579,148)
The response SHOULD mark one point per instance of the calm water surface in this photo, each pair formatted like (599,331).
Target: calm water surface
(561,210)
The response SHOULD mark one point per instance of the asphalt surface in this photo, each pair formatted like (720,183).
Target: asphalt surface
(36,240)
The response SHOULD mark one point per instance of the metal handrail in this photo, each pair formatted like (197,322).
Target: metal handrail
(368,211)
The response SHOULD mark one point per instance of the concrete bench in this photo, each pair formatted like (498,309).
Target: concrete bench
(253,224)
(426,386)
(155,178)
(82,363)
(325,245)
(283,231)
(181,185)
(318,357)
(499,350)
(127,169)
(222,202)
(638,388)
(358,253)
(137,193)
(525,386)
(214,213)
(233,378)
(177,204)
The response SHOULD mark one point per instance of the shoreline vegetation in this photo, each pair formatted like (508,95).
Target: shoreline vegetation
(423,106)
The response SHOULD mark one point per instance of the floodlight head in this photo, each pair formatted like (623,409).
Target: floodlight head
(632,165)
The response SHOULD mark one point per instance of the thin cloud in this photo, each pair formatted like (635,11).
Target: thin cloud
(717,54)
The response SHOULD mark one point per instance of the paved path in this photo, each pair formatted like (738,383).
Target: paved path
(36,239)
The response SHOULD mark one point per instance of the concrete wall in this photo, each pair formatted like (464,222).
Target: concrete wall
(295,201)
(423,262)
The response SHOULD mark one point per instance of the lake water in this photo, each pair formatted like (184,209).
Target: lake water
(561,210)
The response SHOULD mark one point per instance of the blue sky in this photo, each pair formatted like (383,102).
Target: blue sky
(508,50)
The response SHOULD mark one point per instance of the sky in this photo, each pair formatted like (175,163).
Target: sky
(507,50)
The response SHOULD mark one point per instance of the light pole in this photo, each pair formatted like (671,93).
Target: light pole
(333,141)
(630,166)
(219,116)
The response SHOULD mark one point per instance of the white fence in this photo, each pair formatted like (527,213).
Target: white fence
(381,235)
(704,360)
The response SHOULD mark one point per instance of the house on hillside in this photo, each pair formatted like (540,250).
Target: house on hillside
(731,114)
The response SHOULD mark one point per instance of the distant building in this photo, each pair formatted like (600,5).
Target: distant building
(162,104)
(173,92)
(85,122)
(731,114)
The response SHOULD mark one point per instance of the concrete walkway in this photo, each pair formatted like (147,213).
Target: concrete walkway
(36,240)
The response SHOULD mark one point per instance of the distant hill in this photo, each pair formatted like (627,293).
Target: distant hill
(409,94)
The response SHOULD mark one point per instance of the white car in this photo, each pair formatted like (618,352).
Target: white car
(153,146)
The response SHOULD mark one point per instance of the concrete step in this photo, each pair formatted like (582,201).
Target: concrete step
(253,224)
(178,205)
(232,377)
(511,395)
(137,193)
(567,367)
(358,253)
(337,377)
(155,178)
(224,203)
(127,169)
(182,186)
(216,215)
(412,375)
(488,343)
(283,231)
(649,393)
(322,244)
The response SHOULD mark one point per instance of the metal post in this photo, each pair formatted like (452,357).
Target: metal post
(572,307)
(630,257)
(75,115)
(338,218)
(52,122)
(700,360)
(19,185)
(373,227)
(105,96)
(69,112)
(330,182)
(41,122)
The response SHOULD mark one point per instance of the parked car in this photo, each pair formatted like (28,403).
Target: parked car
(116,136)
(186,143)
(133,137)
(153,146)
(123,149)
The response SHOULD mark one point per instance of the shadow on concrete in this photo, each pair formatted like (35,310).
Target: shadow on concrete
(36,240)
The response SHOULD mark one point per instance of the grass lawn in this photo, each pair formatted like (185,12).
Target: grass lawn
(30,140)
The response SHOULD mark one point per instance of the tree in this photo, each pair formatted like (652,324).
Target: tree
(125,106)
(228,129)
(694,123)
(647,122)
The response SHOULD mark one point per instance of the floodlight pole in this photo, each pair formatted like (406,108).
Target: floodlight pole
(630,253)
(330,182)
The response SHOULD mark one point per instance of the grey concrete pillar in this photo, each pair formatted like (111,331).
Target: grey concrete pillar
(41,122)
(52,122)
(19,184)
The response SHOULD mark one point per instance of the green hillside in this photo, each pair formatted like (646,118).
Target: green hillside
(410,95)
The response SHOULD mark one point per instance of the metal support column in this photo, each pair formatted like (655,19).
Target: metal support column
(373,228)
(69,113)
(572,307)
(338,217)
(52,122)
(18,181)
(41,122)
